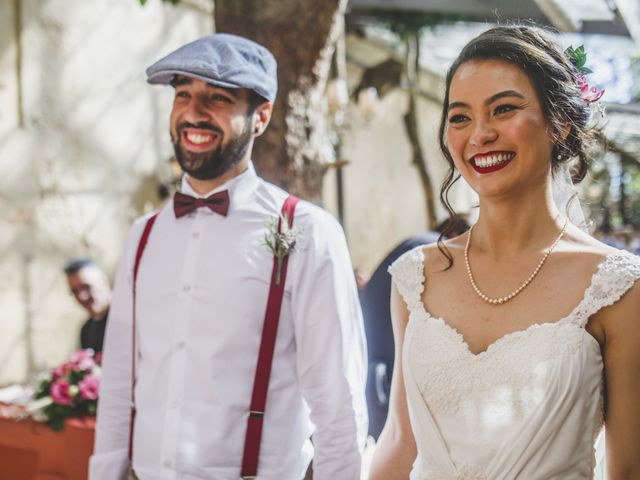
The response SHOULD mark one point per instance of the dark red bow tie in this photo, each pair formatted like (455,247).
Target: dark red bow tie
(218,202)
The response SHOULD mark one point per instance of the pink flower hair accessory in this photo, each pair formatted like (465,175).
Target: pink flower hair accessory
(578,57)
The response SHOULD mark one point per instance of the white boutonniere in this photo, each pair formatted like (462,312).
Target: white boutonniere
(280,241)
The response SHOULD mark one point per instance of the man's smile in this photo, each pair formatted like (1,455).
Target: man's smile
(199,140)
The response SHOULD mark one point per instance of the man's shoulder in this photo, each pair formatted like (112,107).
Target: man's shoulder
(316,228)
(140,222)
(307,213)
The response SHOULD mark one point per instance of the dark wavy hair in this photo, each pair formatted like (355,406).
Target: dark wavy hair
(555,80)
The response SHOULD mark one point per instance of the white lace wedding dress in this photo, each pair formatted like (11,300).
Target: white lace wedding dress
(528,408)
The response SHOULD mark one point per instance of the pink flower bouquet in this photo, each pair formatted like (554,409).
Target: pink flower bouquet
(70,390)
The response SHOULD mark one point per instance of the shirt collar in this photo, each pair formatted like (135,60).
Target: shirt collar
(240,187)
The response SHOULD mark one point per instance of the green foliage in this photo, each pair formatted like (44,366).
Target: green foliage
(406,23)
(579,58)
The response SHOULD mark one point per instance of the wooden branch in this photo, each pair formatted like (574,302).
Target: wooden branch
(411,126)
(17,28)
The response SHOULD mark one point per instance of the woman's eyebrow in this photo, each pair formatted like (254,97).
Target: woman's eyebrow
(488,101)
(505,93)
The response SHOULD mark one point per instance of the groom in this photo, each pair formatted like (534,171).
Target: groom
(196,294)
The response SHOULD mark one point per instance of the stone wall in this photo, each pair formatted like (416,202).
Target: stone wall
(80,157)
(384,201)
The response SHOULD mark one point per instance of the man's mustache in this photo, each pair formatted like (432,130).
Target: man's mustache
(200,126)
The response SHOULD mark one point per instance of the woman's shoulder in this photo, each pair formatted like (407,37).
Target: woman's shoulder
(597,256)
(614,276)
(439,257)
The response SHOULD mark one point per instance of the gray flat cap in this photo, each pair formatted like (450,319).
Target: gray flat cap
(224,60)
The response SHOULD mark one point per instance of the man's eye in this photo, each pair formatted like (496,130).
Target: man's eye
(504,108)
(457,118)
(220,98)
(182,94)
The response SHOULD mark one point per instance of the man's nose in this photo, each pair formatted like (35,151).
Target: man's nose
(483,134)
(196,111)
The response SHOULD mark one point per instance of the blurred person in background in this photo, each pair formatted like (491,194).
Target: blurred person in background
(90,287)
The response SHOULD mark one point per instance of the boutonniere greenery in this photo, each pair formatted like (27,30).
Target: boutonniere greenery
(280,239)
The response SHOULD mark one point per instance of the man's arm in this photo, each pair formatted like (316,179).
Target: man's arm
(331,349)
(110,458)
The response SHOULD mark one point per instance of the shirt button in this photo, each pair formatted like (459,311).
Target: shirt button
(195,235)
(180,345)
(173,403)
(167,464)
(186,288)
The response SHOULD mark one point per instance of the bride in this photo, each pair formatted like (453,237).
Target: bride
(516,342)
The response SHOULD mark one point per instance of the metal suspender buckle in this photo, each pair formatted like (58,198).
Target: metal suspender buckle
(254,414)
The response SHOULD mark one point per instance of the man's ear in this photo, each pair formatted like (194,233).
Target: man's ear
(261,118)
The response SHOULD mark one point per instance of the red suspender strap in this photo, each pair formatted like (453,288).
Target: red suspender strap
(141,245)
(265,357)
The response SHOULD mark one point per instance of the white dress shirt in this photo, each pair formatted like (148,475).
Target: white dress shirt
(201,297)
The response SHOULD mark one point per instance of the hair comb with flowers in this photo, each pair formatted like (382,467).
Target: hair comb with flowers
(579,58)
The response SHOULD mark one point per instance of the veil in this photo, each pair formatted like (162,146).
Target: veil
(565,196)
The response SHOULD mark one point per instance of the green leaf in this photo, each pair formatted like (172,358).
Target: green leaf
(56,424)
(578,57)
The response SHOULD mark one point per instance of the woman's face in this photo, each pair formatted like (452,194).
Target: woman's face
(496,131)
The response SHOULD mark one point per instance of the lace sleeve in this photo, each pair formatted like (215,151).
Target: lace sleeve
(614,277)
(408,276)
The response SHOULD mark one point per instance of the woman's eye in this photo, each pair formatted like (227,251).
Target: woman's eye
(504,108)
(457,118)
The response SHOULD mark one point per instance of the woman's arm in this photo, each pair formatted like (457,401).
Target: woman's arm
(395,451)
(622,373)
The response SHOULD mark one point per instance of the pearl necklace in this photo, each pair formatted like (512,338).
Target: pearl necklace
(501,300)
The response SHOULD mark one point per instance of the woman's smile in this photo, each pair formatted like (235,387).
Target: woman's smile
(491,161)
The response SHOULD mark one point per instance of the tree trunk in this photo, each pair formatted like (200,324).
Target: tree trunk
(302,36)
(412,67)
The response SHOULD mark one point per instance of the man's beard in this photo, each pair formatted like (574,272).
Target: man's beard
(213,164)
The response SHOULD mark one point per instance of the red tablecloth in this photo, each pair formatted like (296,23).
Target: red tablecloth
(32,451)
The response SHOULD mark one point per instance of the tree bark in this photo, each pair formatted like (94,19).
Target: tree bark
(412,67)
(289,153)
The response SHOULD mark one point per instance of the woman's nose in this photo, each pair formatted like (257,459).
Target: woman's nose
(483,134)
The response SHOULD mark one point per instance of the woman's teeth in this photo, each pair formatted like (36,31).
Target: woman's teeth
(491,160)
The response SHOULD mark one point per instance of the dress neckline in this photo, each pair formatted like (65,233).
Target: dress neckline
(516,333)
